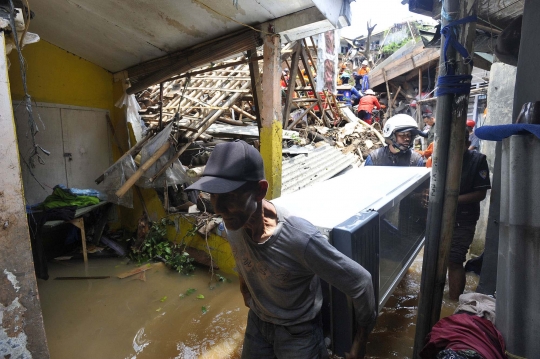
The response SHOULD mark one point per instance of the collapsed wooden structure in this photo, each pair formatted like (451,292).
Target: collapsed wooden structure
(189,107)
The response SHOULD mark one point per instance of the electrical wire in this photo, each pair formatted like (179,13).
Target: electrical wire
(27,98)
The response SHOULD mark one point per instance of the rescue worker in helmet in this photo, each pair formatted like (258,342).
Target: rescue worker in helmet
(399,133)
(364,69)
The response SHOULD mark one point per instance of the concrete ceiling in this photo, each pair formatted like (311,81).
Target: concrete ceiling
(117,34)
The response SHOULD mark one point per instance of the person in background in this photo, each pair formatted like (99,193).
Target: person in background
(473,188)
(284,78)
(357,81)
(475,141)
(342,70)
(366,105)
(429,120)
(364,69)
(345,77)
(280,258)
(399,133)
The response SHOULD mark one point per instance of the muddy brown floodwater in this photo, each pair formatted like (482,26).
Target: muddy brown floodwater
(150,316)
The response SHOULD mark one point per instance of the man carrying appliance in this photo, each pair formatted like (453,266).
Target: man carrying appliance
(279,258)
(399,133)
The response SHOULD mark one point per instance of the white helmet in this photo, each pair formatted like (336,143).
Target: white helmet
(365,62)
(400,123)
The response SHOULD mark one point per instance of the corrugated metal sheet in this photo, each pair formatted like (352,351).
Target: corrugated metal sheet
(318,165)
(117,34)
(218,129)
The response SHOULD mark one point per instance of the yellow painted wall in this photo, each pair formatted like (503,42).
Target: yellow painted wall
(57,76)
(54,75)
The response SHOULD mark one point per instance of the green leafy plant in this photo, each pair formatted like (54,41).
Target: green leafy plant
(204,310)
(200,296)
(392,47)
(157,246)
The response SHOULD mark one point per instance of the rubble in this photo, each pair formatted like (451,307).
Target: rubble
(191,113)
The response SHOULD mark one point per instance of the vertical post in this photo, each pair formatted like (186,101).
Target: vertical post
(419,107)
(256,89)
(445,180)
(19,299)
(160,105)
(271,131)
(312,84)
(292,82)
(390,104)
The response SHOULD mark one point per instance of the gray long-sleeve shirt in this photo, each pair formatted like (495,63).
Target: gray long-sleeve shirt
(282,274)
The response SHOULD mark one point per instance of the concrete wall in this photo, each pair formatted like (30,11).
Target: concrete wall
(502,80)
(22,334)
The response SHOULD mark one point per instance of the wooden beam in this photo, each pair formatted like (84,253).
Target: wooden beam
(415,57)
(272,128)
(292,83)
(390,104)
(312,83)
(256,88)
(214,68)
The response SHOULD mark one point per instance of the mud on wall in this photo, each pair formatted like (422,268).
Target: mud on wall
(22,334)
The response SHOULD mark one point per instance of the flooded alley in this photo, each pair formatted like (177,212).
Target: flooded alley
(163,314)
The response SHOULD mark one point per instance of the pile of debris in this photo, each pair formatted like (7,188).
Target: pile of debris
(192,112)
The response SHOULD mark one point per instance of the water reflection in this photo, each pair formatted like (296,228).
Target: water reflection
(151,316)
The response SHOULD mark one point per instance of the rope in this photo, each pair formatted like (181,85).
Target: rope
(452,83)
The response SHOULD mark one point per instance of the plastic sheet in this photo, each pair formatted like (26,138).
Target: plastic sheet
(175,174)
(132,113)
(115,177)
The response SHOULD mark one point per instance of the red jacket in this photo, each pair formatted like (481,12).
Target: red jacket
(368,102)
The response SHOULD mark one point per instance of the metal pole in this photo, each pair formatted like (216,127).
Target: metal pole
(444,188)
(518,292)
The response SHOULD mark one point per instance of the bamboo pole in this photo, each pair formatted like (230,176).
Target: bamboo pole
(204,126)
(419,107)
(390,104)
(256,88)
(303,114)
(248,115)
(132,151)
(312,83)
(445,179)
(144,167)
(292,83)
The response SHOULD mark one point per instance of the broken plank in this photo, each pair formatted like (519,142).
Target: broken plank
(135,271)
(82,278)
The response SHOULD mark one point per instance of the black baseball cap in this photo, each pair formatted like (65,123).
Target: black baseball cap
(230,166)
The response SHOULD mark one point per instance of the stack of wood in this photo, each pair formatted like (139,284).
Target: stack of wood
(194,95)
